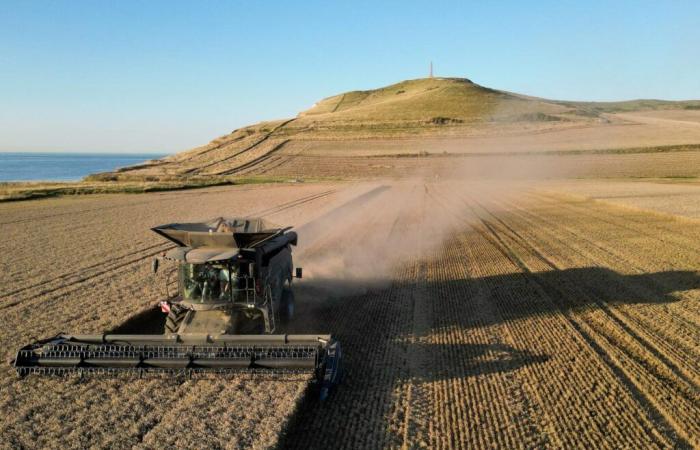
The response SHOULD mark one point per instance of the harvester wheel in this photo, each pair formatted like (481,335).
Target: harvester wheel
(175,317)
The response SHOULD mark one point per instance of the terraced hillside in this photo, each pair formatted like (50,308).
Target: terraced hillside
(424,117)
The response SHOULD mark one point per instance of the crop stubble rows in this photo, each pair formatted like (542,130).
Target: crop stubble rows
(624,342)
(541,321)
(541,324)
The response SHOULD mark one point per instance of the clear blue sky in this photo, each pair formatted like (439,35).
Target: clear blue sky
(157,76)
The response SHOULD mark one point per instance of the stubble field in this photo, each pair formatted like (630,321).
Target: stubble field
(469,315)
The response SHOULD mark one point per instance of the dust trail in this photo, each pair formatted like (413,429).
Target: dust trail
(365,238)
(362,243)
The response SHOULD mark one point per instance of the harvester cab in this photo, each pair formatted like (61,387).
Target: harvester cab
(234,278)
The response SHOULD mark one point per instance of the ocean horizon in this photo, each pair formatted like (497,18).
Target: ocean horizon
(64,166)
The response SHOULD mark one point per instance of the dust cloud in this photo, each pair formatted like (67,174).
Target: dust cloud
(362,242)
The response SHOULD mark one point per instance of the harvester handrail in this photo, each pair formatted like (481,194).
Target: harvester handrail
(279,232)
(262,339)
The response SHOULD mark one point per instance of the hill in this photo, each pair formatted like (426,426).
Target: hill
(413,117)
(431,101)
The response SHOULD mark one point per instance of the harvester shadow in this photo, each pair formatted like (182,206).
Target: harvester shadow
(383,327)
(469,360)
(347,307)
(394,335)
(318,298)
(149,321)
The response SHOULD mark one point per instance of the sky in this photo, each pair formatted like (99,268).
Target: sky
(164,76)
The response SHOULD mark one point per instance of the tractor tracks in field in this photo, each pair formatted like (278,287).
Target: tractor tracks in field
(451,359)
(347,211)
(130,204)
(68,283)
(679,252)
(160,197)
(485,323)
(273,161)
(388,402)
(60,285)
(207,150)
(553,325)
(666,394)
(676,362)
(74,213)
(361,321)
(639,324)
(292,204)
(672,249)
(419,404)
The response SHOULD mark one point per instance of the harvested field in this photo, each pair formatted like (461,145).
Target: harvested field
(469,317)
(652,195)
(293,161)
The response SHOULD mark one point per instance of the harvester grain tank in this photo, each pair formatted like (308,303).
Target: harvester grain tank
(234,278)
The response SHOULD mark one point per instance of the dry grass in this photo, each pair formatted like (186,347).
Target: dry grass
(436,101)
(14,191)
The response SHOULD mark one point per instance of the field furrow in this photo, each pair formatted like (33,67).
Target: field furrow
(669,392)
(554,303)
(471,315)
(666,332)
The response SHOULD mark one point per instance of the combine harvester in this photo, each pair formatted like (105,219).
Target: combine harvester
(234,292)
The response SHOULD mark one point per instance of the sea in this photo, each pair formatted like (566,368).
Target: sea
(63,166)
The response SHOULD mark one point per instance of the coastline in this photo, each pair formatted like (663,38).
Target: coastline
(33,190)
(49,167)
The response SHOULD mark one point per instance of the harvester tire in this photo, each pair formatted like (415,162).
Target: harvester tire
(175,317)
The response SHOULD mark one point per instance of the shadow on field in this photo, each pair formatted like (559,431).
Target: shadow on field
(320,301)
(383,327)
(468,360)
(325,302)
(397,333)
(150,321)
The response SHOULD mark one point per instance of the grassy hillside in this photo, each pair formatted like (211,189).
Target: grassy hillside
(423,106)
(412,109)
(430,100)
